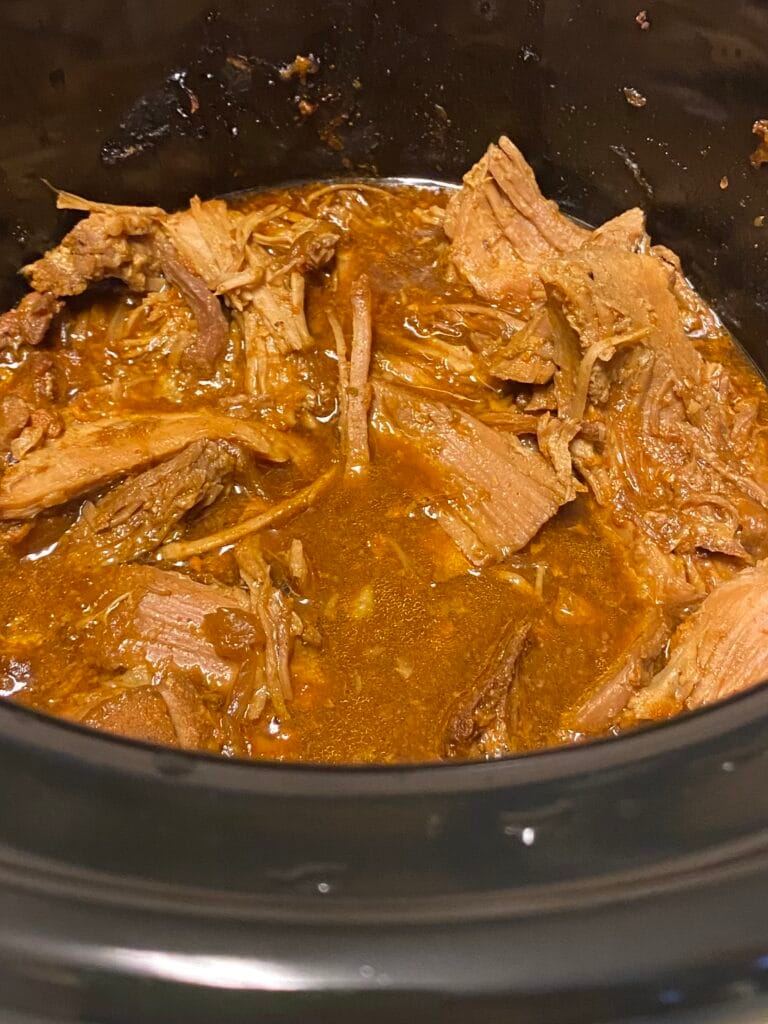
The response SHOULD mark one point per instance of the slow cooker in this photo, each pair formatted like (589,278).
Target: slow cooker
(623,880)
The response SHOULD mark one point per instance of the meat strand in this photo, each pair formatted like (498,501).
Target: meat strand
(275,611)
(135,517)
(354,387)
(91,454)
(481,727)
(178,551)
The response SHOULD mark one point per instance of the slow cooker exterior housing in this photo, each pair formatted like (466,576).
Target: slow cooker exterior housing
(621,881)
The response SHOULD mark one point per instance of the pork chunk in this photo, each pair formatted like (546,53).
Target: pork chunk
(137,516)
(28,323)
(720,651)
(91,454)
(489,491)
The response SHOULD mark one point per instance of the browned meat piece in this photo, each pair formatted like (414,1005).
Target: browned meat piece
(354,389)
(137,516)
(698,319)
(14,416)
(266,292)
(665,442)
(720,651)
(359,393)
(113,242)
(28,323)
(528,357)
(127,243)
(274,329)
(481,727)
(157,618)
(616,686)
(168,711)
(315,248)
(627,232)
(210,342)
(501,226)
(760,155)
(211,242)
(275,611)
(554,436)
(138,713)
(607,295)
(42,424)
(491,493)
(91,454)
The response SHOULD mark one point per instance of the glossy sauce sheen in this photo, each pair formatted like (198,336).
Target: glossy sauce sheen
(404,620)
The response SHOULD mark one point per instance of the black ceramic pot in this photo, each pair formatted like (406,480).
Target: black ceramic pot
(622,881)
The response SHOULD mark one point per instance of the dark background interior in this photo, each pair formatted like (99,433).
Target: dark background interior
(98,98)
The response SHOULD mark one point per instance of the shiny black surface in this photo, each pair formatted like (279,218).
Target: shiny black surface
(623,881)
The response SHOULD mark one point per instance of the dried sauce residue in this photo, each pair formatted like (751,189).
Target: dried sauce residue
(760,155)
(633,97)
(300,67)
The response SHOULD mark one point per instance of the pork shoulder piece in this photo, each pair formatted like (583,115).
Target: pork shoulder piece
(665,441)
(91,454)
(720,651)
(169,711)
(152,617)
(129,243)
(481,726)
(491,493)
(112,241)
(136,516)
(501,228)
(613,690)
(265,287)
(274,329)
(210,241)
(28,323)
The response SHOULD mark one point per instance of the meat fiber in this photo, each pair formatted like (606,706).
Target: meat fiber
(354,388)
(91,454)
(720,651)
(28,323)
(501,226)
(488,490)
(158,619)
(481,727)
(264,288)
(135,517)
(274,609)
